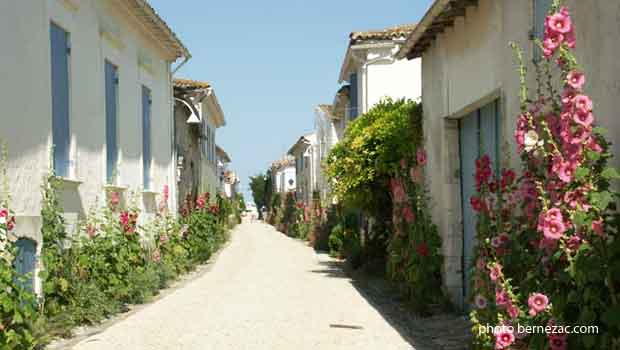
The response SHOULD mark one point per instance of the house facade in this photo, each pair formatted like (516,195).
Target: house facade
(223,159)
(86,93)
(470,96)
(372,71)
(329,129)
(305,151)
(283,175)
(198,115)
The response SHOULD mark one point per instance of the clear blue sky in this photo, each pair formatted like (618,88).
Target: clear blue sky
(271,62)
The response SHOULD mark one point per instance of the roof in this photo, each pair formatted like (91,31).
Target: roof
(397,32)
(222,154)
(189,84)
(439,16)
(145,13)
(302,144)
(282,163)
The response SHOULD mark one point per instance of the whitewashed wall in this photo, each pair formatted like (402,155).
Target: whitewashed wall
(25,95)
(471,63)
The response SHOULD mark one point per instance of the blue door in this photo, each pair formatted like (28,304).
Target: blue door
(478,135)
(26,261)
(146,137)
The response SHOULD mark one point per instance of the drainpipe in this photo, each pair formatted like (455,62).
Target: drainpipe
(185,60)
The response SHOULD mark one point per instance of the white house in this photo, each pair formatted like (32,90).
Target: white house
(373,72)
(329,128)
(470,95)
(86,90)
(305,151)
(231,184)
(283,175)
(223,159)
(198,105)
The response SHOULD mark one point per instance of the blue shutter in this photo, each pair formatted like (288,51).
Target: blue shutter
(146,137)
(59,43)
(541,9)
(353,103)
(111,110)
(489,132)
(26,262)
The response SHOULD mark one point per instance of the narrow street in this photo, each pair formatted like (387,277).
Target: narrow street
(265,291)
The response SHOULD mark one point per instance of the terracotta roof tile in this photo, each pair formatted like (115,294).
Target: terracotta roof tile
(398,32)
(190,84)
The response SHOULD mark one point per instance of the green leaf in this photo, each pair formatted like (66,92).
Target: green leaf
(611,317)
(610,174)
(601,200)
(581,173)
(599,131)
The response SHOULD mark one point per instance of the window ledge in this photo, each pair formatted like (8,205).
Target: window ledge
(116,188)
(150,192)
(71,5)
(69,182)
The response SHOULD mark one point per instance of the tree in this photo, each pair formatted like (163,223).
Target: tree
(258,187)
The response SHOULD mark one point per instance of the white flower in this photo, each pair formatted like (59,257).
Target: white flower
(2,220)
(531,141)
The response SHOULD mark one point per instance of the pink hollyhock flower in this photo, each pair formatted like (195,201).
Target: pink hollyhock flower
(594,146)
(574,243)
(398,192)
(554,214)
(570,40)
(421,157)
(537,302)
(495,272)
(576,79)
(597,227)
(566,172)
(201,202)
(480,264)
(501,298)
(157,256)
(504,237)
(4,213)
(166,193)
(504,338)
(124,218)
(513,311)
(495,242)
(422,249)
(568,95)
(115,199)
(583,104)
(480,301)
(584,119)
(554,230)
(558,341)
(408,214)
(580,135)
(163,239)
(476,204)
(559,23)
(91,231)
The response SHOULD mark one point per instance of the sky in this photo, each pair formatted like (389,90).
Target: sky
(271,62)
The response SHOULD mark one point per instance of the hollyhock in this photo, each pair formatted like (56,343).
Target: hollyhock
(513,311)
(594,146)
(537,302)
(552,42)
(574,243)
(582,104)
(554,230)
(495,272)
(115,199)
(408,214)
(531,141)
(398,191)
(504,238)
(480,301)
(566,172)
(501,298)
(495,242)
(163,239)
(580,135)
(422,249)
(508,178)
(576,79)
(597,227)
(476,204)
(559,23)
(558,341)
(157,256)
(504,338)
(480,264)
(568,96)
(201,202)
(584,119)
(91,231)
(421,157)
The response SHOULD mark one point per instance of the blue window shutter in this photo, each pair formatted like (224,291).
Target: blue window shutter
(541,9)
(26,262)
(59,44)
(146,137)
(354,96)
(111,110)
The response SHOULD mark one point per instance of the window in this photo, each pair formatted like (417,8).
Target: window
(541,9)
(146,137)
(111,129)
(353,96)
(61,138)
(26,262)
